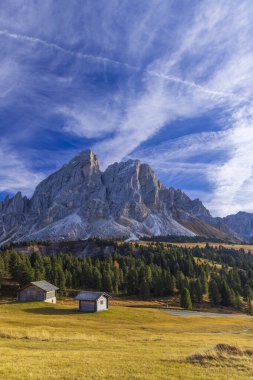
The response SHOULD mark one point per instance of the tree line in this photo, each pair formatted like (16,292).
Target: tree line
(217,274)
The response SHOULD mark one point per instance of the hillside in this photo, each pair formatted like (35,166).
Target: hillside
(55,342)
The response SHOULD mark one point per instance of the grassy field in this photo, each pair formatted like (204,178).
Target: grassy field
(237,247)
(44,341)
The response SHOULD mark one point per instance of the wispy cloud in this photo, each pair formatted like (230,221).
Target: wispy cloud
(120,73)
(231,179)
(91,122)
(187,161)
(15,173)
(76,55)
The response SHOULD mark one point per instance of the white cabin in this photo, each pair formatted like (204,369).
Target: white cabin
(38,291)
(93,301)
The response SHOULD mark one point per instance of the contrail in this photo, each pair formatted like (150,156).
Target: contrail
(49,45)
(196,86)
(56,47)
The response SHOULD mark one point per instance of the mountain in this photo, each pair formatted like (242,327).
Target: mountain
(241,224)
(126,200)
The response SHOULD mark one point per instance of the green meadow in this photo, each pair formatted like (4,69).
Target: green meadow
(44,341)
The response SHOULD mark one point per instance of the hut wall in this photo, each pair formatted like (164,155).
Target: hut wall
(31,293)
(102,303)
(51,296)
(88,306)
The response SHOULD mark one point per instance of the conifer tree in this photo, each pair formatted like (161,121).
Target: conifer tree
(226,297)
(198,291)
(97,279)
(214,294)
(203,280)
(37,265)
(1,270)
(180,281)
(107,281)
(238,303)
(185,299)
(250,308)
(192,290)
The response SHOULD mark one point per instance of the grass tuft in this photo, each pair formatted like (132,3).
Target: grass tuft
(221,352)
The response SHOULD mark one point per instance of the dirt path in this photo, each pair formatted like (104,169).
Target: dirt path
(187,313)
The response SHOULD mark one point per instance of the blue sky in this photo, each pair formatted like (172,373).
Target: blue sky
(167,82)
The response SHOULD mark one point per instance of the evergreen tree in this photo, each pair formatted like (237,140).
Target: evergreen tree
(180,281)
(198,291)
(116,279)
(38,266)
(132,282)
(250,308)
(226,297)
(68,277)
(248,294)
(97,279)
(24,271)
(107,282)
(1,270)
(59,277)
(192,290)
(238,303)
(233,297)
(204,283)
(185,299)
(14,263)
(170,283)
(144,288)
(214,294)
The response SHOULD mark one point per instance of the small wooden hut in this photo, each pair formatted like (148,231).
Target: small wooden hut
(38,291)
(93,301)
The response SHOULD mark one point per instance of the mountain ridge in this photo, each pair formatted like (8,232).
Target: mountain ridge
(126,200)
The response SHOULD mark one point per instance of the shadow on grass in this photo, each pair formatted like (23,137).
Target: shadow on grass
(51,311)
(9,302)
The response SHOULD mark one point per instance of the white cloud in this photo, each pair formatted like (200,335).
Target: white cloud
(225,31)
(15,174)
(233,178)
(10,73)
(206,63)
(211,68)
(160,104)
(90,121)
(183,159)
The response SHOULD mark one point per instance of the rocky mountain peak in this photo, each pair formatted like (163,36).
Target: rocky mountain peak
(126,200)
(86,157)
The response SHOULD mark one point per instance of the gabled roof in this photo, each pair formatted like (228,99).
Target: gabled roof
(44,285)
(91,296)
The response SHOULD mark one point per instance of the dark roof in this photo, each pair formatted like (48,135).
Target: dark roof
(90,296)
(44,285)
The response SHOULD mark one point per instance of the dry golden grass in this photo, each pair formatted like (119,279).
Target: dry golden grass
(44,341)
(246,247)
(224,355)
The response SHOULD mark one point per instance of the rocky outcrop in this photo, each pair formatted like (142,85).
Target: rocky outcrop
(126,200)
(242,224)
(13,214)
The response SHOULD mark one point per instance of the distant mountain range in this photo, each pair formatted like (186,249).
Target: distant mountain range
(125,201)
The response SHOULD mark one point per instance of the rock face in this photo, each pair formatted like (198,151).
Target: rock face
(126,200)
(242,224)
(13,213)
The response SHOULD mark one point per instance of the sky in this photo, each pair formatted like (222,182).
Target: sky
(167,82)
